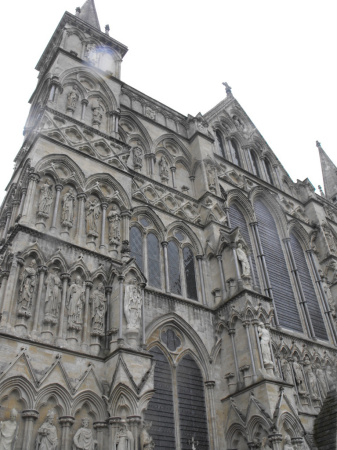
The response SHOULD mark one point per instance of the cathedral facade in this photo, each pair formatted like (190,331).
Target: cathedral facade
(164,282)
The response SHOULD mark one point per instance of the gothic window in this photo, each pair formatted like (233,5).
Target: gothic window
(153,261)
(237,219)
(191,289)
(283,294)
(235,152)
(308,288)
(268,171)
(220,143)
(255,166)
(178,403)
(174,268)
(136,246)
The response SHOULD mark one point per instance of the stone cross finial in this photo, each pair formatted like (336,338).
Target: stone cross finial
(228,88)
(78,11)
(318,144)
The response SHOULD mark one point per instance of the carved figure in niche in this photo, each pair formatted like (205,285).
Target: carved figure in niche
(75,302)
(114,225)
(68,202)
(286,371)
(150,113)
(83,439)
(265,344)
(53,294)
(321,382)
(238,123)
(72,99)
(96,112)
(98,309)
(244,261)
(146,441)
(311,378)
(330,239)
(124,438)
(91,54)
(163,169)
(27,288)
(287,443)
(334,274)
(132,305)
(328,294)
(46,199)
(92,215)
(137,158)
(211,177)
(9,431)
(47,434)
(299,377)
(313,238)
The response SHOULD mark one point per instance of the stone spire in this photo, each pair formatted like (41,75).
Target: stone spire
(329,171)
(88,13)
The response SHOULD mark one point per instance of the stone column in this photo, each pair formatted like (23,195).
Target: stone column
(10,298)
(8,219)
(214,442)
(84,103)
(143,342)
(29,416)
(192,178)
(231,333)
(167,282)
(104,208)
(60,339)
(66,422)
(29,203)
(108,315)
(100,427)
(81,218)
(58,188)
(22,202)
(222,276)
(246,325)
(173,171)
(86,319)
(4,280)
(42,270)
(201,276)
(126,215)
(121,309)
(276,441)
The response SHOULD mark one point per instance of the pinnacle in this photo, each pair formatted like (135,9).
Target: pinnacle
(88,14)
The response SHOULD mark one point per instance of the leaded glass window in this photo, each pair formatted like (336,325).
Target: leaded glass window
(191,289)
(235,152)
(136,246)
(220,143)
(174,268)
(153,261)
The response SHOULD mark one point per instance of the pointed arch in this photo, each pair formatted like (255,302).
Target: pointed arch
(154,218)
(133,119)
(172,137)
(180,225)
(71,169)
(117,190)
(23,386)
(238,197)
(92,399)
(118,392)
(59,392)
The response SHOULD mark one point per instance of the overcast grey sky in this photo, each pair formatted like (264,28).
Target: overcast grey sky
(280,57)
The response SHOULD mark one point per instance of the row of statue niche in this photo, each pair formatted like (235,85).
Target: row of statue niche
(93,211)
(317,382)
(96,107)
(74,301)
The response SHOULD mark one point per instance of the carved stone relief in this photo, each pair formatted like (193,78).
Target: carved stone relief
(137,158)
(47,434)
(264,336)
(67,215)
(124,438)
(72,99)
(244,261)
(45,202)
(92,215)
(75,303)
(28,283)
(163,169)
(114,220)
(83,439)
(53,296)
(132,305)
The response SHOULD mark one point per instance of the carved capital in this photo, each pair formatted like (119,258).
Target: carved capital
(99,425)
(164,244)
(30,414)
(66,421)
(210,384)
(59,187)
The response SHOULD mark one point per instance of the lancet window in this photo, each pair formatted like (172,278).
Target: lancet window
(254,163)
(220,143)
(136,246)
(268,171)
(235,152)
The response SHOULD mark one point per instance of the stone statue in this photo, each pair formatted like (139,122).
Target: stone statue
(47,434)
(211,178)
(75,302)
(132,305)
(9,431)
(330,239)
(46,200)
(137,158)
(53,294)
(146,441)
(265,344)
(299,377)
(27,288)
(92,215)
(68,202)
(114,225)
(287,443)
(83,439)
(72,99)
(311,378)
(286,371)
(238,123)
(96,112)
(98,309)
(163,169)
(124,438)
(244,261)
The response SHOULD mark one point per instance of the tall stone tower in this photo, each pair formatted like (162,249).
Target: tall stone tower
(164,283)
